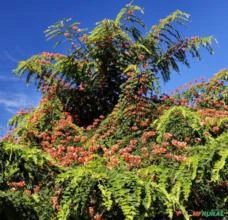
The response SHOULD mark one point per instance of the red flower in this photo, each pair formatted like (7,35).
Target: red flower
(134,128)
(130,12)
(115,148)
(66,34)
(167,136)
(19,184)
(165,144)
(215,129)
(133,142)
(159,150)
(141,57)
(75,28)
(179,144)
(81,87)
(98,217)
(21,112)
(54,201)
(70,149)
(146,135)
(83,139)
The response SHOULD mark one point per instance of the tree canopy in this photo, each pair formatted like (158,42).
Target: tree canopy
(90,77)
(104,143)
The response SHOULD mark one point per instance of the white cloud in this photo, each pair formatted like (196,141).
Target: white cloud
(10,110)
(8,78)
(14,102)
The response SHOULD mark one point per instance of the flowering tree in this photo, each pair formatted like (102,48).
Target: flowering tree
(89,78)
(102,144)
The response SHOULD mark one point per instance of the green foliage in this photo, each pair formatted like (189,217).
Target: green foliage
(23,163)
(28,166)
(212,94)
(179,121)
(102,144)
(13,205)
(133,192)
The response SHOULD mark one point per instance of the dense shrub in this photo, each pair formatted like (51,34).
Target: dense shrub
(104,143)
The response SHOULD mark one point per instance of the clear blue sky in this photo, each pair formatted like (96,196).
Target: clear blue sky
(23,22)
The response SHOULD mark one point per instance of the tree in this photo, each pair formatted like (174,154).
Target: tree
(94,71)
(103,142)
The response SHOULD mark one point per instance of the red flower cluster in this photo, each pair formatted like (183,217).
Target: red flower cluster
(52,55)
(215,129)
(132,160)
(21,112)
(208,112)
(17,185)
(95,123)
(113,162)
(175,157)
(134,128)
(179,144)
(146,135)
(145,123)
(167,136)
(98,217)
(65,145)
(163,148)
(55,202)
(157,149)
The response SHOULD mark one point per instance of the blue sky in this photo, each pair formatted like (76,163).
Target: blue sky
(23,22)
